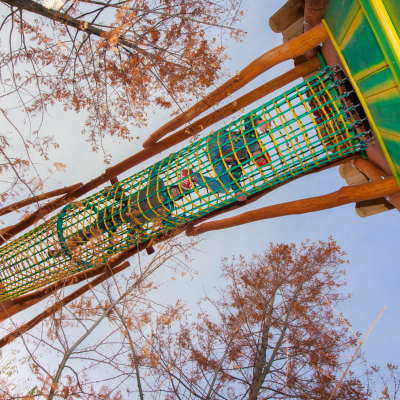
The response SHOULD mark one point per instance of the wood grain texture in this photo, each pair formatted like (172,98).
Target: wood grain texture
(314,11)
(40,197)
(163,145)
(345,195)
(290,12)
(367,208)
(256,196)
(291,49)
(375,174)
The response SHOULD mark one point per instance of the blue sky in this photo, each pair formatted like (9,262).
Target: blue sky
(371,243)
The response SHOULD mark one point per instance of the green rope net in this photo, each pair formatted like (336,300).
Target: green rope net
(298,131)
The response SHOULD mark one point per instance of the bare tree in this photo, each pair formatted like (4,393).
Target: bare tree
(383,383)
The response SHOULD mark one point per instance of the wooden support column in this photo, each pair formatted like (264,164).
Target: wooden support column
(291,49)
(23,203)
(163,145)
(314,12)
(345,195)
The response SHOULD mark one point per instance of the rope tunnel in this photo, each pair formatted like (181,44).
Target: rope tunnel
(304,128)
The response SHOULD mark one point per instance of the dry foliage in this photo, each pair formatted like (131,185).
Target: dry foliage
(269,334)
(112,60)
(272,332)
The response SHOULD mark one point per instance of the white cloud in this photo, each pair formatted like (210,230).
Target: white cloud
(55,4)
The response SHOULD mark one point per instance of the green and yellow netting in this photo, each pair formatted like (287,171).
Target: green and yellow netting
(308,126)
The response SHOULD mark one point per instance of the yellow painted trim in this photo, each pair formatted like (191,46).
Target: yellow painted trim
(364,104)
(388,27)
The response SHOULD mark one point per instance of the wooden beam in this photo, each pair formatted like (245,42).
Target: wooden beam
(290,12)
(375,174)
(163,145)
(345,195)
(28,300)
(16,206)
(59,304)
(314,12)
(25,301)
(108,272)
(256,196)
(291,49)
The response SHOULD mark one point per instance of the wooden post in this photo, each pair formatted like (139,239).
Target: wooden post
(314,12)
(163,145)
(286,51)
(345,195)
(16,206)
(150,250)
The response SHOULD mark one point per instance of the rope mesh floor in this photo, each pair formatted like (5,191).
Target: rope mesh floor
(298,131)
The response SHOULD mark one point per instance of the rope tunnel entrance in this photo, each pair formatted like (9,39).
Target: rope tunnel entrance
(314,123)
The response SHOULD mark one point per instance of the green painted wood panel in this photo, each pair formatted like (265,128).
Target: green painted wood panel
(383,30)
(392,143)
(361,49)
(377,82)
(385,109)
(393,8)
(363,43)
(340,15)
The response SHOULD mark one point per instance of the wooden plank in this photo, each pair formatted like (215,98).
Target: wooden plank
(352,175)
(375,174)
(361,49)
(392,143)
(392,7)
(367,208)
(372,207)
(385,109)
(385,33)
(345,195)
(340,15)
(377,82)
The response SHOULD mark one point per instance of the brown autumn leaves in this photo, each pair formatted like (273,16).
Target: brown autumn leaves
(112,60)
(269,332)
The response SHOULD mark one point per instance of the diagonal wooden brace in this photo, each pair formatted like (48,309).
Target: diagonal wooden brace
(345,195)
(286,51)
(170,141)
